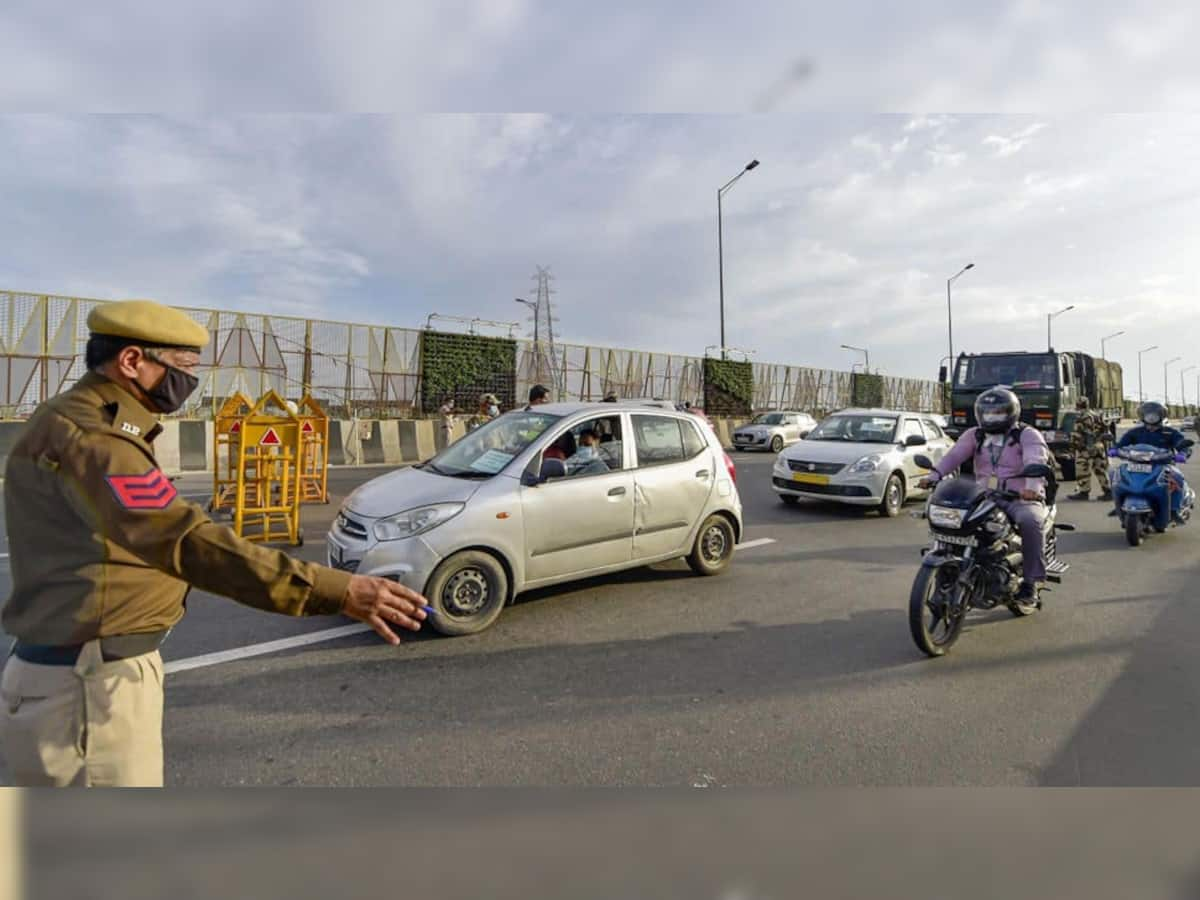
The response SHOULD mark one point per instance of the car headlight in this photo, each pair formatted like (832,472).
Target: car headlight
(415,521)
(945,517)
(867,463)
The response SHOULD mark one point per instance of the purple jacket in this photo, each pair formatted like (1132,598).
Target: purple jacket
(1013,458)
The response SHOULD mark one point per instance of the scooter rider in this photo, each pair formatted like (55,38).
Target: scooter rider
(1153,432)
(1002,446)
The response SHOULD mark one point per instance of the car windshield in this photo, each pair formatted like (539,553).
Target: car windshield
(862,429)
(489,448)
(1014,371)
(769,419)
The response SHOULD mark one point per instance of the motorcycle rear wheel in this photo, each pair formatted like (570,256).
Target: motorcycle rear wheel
(1133,530)
(936,612)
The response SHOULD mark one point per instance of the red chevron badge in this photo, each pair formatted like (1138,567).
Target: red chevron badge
(150,491)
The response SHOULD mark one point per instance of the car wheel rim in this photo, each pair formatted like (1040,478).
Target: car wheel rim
(466,593)
(894,494)
(714,545)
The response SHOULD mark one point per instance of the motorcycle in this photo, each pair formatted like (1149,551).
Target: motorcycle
(1142,488)
(975,558)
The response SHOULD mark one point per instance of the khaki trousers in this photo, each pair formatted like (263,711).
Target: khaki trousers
(97,724)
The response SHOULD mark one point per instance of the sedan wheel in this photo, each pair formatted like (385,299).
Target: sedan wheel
(893,498)
(776,444)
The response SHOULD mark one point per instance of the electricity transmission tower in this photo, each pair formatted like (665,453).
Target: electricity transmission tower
(545,367)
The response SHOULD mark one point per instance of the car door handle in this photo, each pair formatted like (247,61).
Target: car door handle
(617,492)
(703,474)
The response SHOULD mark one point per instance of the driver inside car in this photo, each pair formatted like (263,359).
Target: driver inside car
(1001,448)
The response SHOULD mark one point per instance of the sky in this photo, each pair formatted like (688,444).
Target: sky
(365,165)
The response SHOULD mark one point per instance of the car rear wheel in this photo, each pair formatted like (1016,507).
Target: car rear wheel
(713,550)
(467,592)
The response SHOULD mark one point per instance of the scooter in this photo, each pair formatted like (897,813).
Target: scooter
(1142,489)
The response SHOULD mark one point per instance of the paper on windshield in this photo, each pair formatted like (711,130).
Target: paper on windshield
(492,462)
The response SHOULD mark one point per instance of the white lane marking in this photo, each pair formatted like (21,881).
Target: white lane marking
(750,545)
(300,640)
(313,637)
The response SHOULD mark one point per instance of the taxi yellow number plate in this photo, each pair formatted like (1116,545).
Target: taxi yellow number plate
(805,478)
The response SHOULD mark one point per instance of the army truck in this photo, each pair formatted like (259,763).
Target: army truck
(1048,385)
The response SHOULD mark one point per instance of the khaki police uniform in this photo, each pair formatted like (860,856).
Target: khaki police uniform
(103,552)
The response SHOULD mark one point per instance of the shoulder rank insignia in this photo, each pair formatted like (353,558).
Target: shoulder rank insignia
(130,428)
(150,491)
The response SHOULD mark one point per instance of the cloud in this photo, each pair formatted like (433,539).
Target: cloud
(838,237)
(1014,143)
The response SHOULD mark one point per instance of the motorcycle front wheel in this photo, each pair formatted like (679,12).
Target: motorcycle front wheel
(936,610)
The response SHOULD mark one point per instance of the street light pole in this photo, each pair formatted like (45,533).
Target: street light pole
(720,246)
(532,306)
(866,355)
(1141,393)
(1050,317)
(1166,390)
(1103,340)
(949,315)
(1182,386)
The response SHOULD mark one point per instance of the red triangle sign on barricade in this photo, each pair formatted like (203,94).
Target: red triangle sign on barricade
(307,427)
(270,439)
(235,427)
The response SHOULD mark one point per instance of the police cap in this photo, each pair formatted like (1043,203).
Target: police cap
(148,323)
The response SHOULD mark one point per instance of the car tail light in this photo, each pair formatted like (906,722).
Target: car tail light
(731,468)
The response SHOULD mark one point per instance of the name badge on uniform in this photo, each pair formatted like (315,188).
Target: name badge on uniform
(993,482)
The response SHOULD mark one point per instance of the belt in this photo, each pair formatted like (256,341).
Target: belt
(121,646)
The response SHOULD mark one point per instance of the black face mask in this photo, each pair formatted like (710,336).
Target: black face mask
(171,393)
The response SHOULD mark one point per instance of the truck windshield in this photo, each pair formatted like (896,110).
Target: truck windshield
(1017,372)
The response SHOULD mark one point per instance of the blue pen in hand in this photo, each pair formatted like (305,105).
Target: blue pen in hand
(429,609)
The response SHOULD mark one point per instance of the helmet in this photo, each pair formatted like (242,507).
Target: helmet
(997,410)
(1152,414)
(1081,403)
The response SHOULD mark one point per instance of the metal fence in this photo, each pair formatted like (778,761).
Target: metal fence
(373,371)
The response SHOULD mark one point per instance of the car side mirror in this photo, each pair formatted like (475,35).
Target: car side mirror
(923,461)
(942,374)
(1037,470)
(915,440)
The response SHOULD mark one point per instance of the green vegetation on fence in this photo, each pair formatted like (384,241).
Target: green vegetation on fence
(728,387)
(464,366)
(867,390)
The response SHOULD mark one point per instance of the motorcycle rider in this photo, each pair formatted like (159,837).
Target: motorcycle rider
(1001,447)
(1154,432)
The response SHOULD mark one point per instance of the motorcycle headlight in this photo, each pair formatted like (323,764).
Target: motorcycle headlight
(945,517)
(415,521)
(867,464)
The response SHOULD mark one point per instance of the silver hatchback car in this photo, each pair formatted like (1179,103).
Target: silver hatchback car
(544,495)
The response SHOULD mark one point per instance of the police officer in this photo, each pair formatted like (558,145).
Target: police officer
(103,552)
(1089,443)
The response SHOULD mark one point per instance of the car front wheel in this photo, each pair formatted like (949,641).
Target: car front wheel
(467,592)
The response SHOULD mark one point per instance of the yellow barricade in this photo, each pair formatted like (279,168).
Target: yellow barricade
(314,452)
(227,433)
(267,491)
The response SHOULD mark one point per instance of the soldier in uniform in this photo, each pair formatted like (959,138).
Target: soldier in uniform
(1089,443)
(103,552)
